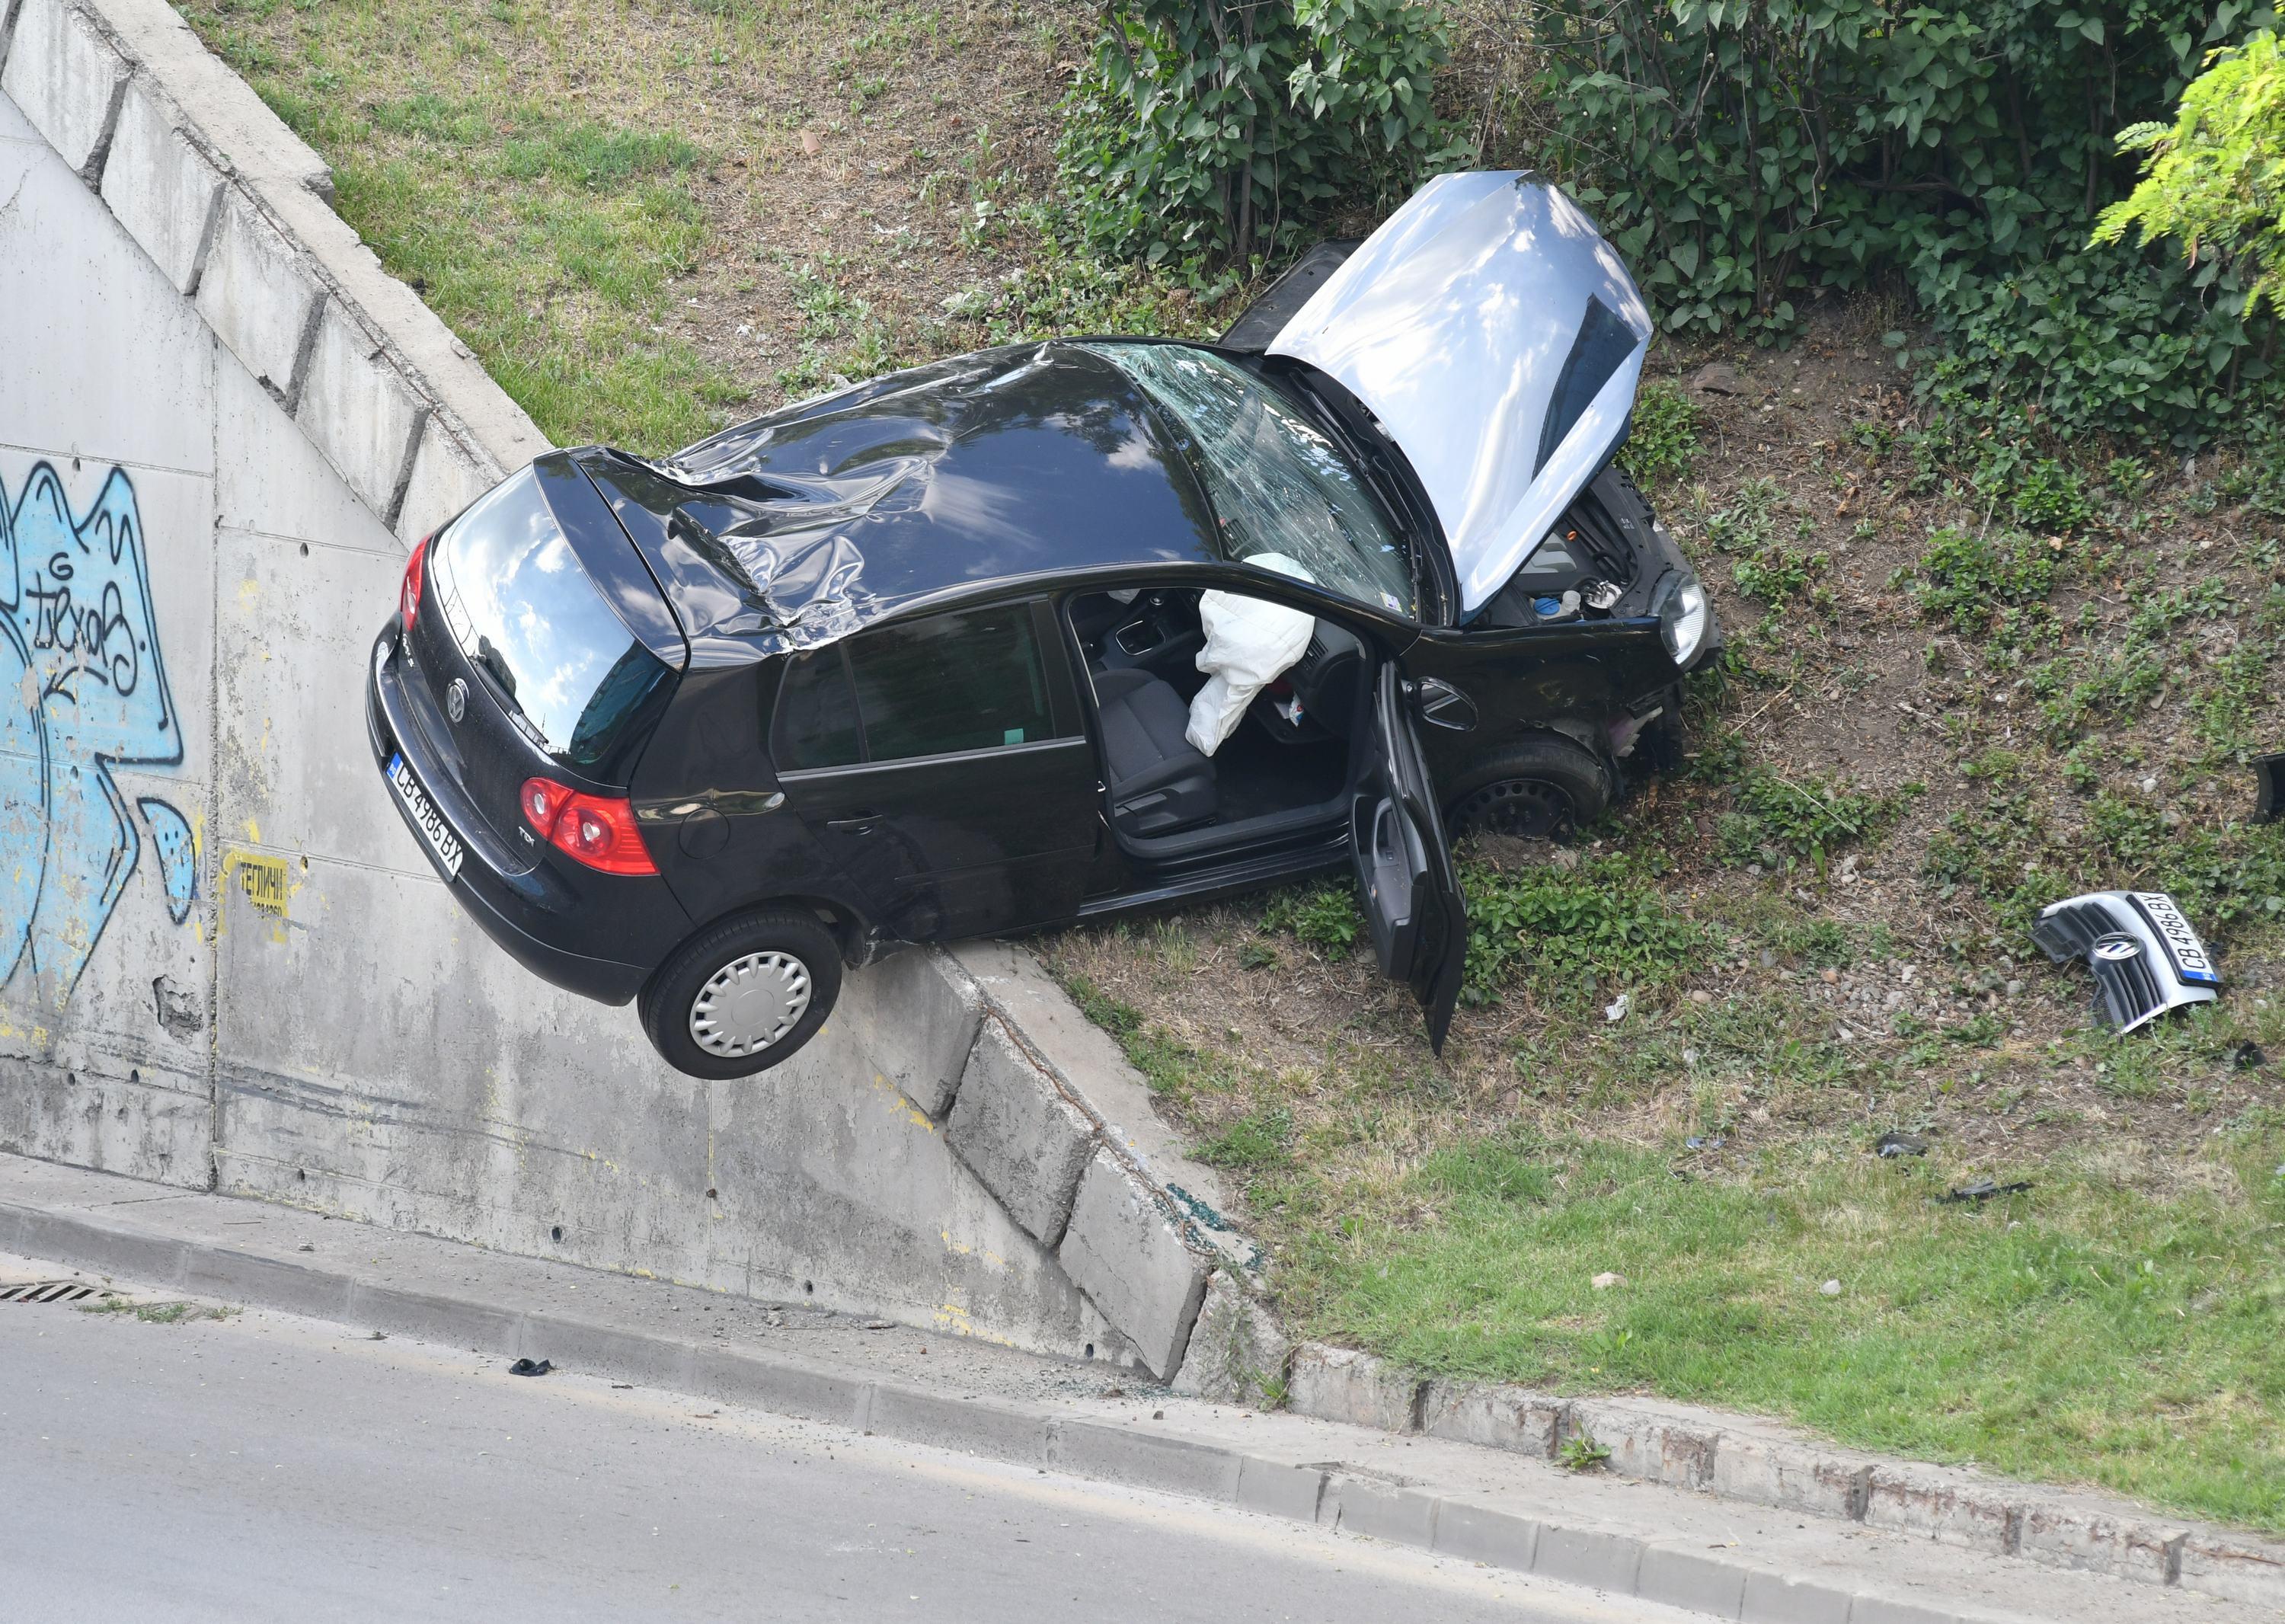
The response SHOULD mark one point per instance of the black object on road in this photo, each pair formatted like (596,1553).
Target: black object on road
(526,1367)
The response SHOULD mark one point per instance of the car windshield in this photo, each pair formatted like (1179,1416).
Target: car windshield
(524,612)
(1278,485)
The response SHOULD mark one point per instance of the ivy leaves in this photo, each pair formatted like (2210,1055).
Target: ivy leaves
(1208,133)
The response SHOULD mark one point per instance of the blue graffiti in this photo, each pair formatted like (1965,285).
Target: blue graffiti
(178,868)
(82,689)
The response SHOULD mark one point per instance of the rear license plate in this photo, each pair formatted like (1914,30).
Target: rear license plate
(2188,953)
(425,818)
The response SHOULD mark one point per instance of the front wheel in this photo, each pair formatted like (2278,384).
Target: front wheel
(742,996)
(1543,788)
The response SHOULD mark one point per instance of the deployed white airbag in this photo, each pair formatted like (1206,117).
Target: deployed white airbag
(1251,642)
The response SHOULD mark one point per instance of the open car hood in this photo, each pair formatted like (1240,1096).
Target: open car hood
(1499,340)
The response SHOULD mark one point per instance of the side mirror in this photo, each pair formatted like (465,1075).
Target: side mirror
(1442,705)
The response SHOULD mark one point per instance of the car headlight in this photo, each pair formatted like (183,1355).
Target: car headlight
(1682,616)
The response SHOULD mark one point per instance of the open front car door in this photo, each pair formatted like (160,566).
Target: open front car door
(1412,897)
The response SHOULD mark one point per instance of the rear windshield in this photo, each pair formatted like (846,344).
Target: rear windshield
(528,617)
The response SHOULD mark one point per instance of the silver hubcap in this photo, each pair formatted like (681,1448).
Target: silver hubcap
(750,1003)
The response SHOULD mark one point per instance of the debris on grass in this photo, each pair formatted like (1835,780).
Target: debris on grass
(1981,1189)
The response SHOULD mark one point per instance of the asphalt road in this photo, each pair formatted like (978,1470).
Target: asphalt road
(263,1467)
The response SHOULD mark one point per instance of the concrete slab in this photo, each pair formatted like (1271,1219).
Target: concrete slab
(270,480)
(159,187)
(918,1021)
(359,410)
(65,78)
(1126,1253)
(446,476)
(1239,1353)
(1339,1384)
(1019,1135)
(260,297)
(1493,1417)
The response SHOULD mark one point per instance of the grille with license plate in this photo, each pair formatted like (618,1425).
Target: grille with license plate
(2146,957)
(442,842)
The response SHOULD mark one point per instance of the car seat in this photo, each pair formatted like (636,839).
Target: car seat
(1159,783)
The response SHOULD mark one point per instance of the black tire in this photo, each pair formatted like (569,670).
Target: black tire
(792,953)
(1548,787)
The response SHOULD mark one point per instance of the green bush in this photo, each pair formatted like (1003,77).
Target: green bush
(1604,919)
(1781,820)
(1663,440)
(1323,916)
(1746,154)
(1965,578)
(1206,132)
(2216,178)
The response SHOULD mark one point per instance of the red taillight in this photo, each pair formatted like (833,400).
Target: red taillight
(599,830)
(408,596)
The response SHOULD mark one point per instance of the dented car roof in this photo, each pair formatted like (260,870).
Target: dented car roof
(799,528)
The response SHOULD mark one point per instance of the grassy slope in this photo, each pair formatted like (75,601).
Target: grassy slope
(649,218)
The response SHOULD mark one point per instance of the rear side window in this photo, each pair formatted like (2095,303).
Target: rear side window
(817,714)
(524,611)
(971,680)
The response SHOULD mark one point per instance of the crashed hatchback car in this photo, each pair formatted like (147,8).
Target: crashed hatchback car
(1054,631)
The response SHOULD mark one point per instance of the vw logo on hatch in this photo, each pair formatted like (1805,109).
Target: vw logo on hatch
(2118,949)
(456,700)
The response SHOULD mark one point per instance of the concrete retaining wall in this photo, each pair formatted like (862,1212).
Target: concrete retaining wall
(224,963)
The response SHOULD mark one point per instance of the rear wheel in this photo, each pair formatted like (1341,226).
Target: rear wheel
(1544,788)
(742,996)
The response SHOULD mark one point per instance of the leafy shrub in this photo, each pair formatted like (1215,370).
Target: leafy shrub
(1208,131)
(1747,153)
(2216,178)
(1544,924)
(1965,578)
(1323,916)
(1662,442)
(1780,821)
(1776,574)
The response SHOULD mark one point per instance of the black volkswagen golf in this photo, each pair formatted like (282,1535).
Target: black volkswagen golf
(1050,632)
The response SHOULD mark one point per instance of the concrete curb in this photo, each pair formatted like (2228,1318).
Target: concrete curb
(1761,1463)
(237,211)
(1719,1580)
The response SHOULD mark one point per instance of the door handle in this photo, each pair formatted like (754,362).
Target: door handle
(853,826)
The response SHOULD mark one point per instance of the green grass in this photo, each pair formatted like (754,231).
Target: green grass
(2088,1330)
(610,207)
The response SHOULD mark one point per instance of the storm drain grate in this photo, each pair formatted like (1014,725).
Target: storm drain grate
(48,1292)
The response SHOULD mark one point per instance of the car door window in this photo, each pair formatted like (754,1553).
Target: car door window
(817,714)
(970,680)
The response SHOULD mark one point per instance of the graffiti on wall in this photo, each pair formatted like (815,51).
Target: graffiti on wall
(83,690)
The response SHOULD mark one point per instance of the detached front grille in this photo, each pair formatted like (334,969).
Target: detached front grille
(2138,973)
